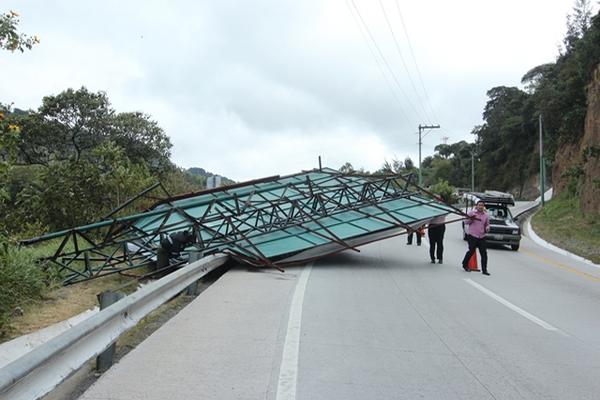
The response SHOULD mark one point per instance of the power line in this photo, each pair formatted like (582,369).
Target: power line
(379,66)
(415,60)
(389,68)
(402,59)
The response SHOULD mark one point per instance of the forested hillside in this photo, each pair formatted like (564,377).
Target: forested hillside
(75,159)
(203,175)
(506,147)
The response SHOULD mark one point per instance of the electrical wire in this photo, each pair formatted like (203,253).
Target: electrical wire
(398,49)
(415,60)
(386,63)
(378,62)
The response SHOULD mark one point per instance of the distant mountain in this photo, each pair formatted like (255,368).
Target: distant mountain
(196,171)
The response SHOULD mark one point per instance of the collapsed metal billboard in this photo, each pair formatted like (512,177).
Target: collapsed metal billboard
(271,222)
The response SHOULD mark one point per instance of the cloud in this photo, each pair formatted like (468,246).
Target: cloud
(250,89)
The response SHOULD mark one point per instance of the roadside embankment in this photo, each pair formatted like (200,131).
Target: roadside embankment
(562,223)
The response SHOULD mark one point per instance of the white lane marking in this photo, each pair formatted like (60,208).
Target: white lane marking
(516,309)
(288,372)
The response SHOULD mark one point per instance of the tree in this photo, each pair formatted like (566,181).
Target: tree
(506,139)
(444,150)
(68,126)
(78,159)
(76,192)
(10,38)
(443,189)
(395,167)
(577,23)
(142,139)
(560,94)
(9,137)
(535,76)
(347,168)
(439,169)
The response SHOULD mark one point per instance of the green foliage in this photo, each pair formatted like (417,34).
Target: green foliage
(506,140)
(75,159)
(560,94)
(9,137)
(199,176)
(71,193)
(505,150)
(70,125)
(591,152)
(562,223)
(10,38)
(142,139)
(21,280)
(443,189)
(178,181)
(451,162)
(397,167)
(347,168)
(577,23)
(438,169)
(574,173)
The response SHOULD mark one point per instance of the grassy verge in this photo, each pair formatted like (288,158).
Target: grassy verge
(31,296)
(561,223)
(57,304)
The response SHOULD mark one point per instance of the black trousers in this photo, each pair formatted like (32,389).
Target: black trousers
(410,236)
(436,241)
(476,243)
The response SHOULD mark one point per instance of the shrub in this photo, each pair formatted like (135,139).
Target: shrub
(443,189)
(21,280)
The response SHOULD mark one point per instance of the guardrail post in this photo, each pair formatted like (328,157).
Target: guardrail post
(105,360)
(192,290)
(194,255)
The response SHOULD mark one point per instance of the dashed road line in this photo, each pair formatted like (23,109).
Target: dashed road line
(513,307)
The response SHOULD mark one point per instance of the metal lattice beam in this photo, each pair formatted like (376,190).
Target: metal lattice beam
(243,219)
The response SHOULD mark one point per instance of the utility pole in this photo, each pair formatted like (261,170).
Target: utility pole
(472,171)
(542,189)
(421,129)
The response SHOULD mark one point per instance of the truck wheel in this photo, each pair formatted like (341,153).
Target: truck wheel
(514,247)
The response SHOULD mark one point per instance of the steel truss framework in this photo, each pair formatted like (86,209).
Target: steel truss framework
(269,222)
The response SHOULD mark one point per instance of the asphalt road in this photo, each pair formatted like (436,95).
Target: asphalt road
(380,324)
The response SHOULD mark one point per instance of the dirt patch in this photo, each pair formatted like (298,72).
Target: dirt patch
(60,304)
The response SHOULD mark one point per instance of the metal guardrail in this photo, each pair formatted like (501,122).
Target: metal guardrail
(45,367)
(523,215)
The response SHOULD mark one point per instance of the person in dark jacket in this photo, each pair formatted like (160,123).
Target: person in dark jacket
(435,232)
(171,246)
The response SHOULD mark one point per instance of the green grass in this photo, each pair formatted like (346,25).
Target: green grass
(21,281)
(562,223)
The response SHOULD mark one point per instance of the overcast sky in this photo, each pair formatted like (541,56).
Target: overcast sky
(249,89)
